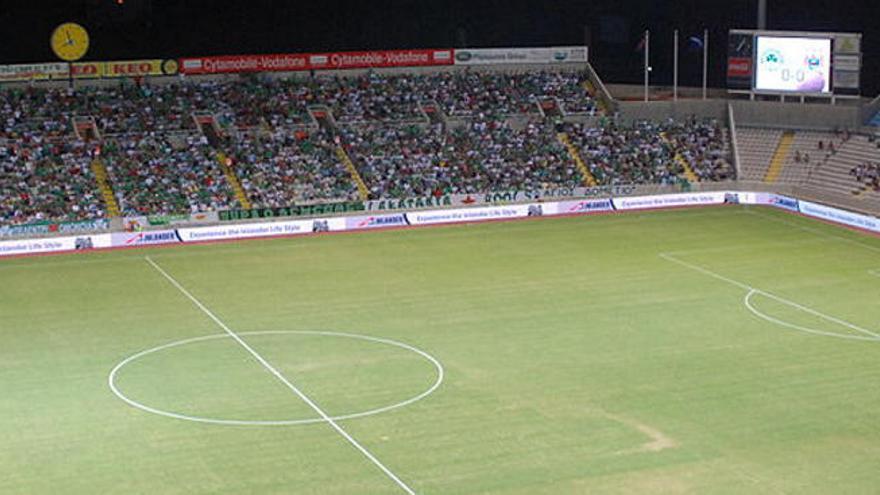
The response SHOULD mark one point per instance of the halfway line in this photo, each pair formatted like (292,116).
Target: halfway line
(282,378)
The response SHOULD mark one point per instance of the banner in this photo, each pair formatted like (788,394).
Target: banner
(244,231)
(291,211)
(388,58)
(840,216)
(668,200)
(54,244)
(288,62)
(55,227)
(123,68)
(491,56)
(431,217)
(512,196)
(31,72)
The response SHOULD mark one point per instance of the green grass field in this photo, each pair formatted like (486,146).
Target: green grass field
(576,359)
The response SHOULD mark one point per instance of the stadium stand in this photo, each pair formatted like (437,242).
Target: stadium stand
(43,180)
(756,148)
(166,173)
(285,167)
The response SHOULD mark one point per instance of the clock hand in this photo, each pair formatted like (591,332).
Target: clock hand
(69,39)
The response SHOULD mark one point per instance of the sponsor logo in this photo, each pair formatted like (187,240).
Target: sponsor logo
(381,221)
(141,238)
(783,202)
(170,67)
(463,56)
(560,56)
(591,205)
(192,64)
(739,67)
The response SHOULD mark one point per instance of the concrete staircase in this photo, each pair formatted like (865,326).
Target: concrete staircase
(103,181)
(688,171)
(363,191)
(779,157)
(233,181)
(589,180)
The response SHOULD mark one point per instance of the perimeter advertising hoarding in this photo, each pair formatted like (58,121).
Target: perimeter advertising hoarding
(55,244)
(550,55)
(289,62)
(33,72)
(793,64)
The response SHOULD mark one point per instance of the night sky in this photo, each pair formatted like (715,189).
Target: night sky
(170,29)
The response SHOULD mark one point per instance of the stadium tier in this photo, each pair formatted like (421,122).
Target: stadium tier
(185,146)
(162,144)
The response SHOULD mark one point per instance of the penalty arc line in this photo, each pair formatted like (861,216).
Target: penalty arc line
(354,443)
(754,290)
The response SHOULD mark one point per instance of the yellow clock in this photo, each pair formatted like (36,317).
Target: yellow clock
(70,41)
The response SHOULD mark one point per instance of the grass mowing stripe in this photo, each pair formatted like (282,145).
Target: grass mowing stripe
(283,379)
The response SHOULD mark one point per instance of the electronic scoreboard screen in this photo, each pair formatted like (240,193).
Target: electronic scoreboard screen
(800,65)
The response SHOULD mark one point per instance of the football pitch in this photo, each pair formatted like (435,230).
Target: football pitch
(709,350)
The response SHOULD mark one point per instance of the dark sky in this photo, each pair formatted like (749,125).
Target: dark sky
(168,29)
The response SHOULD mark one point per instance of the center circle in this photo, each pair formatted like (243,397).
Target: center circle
(115,373)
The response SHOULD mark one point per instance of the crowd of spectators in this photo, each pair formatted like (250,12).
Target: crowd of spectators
(703,145)
(645,152)
(867,173)
(250,101)
(485,154)
(166,174)
(42,180)
(626,154)
(287,167)
(158,163)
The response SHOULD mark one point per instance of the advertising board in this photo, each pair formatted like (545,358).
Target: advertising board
(840,216)
(289,62)
(244,231)
(549,55)
(33,72)
(668,200)
(430,217)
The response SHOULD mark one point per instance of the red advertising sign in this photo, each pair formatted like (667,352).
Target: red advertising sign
(739,67)
(243,63)
(389,58)
(316,61)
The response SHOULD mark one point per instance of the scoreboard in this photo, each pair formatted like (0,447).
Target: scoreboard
(794,63)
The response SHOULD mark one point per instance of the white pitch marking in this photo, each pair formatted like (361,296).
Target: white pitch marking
(354,443)
(747,300)
(289,422)
(875,273)
(751,289)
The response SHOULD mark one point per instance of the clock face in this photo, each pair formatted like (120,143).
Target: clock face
(70,41)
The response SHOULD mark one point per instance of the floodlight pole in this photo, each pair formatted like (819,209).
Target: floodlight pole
(705,60)
(675,67)
(762,14)
(647,65)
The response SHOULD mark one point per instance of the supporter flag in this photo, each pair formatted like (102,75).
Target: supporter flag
(694,44)
(641,44)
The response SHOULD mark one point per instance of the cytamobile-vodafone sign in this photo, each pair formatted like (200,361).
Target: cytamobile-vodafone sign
(243,63)
(314,61)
